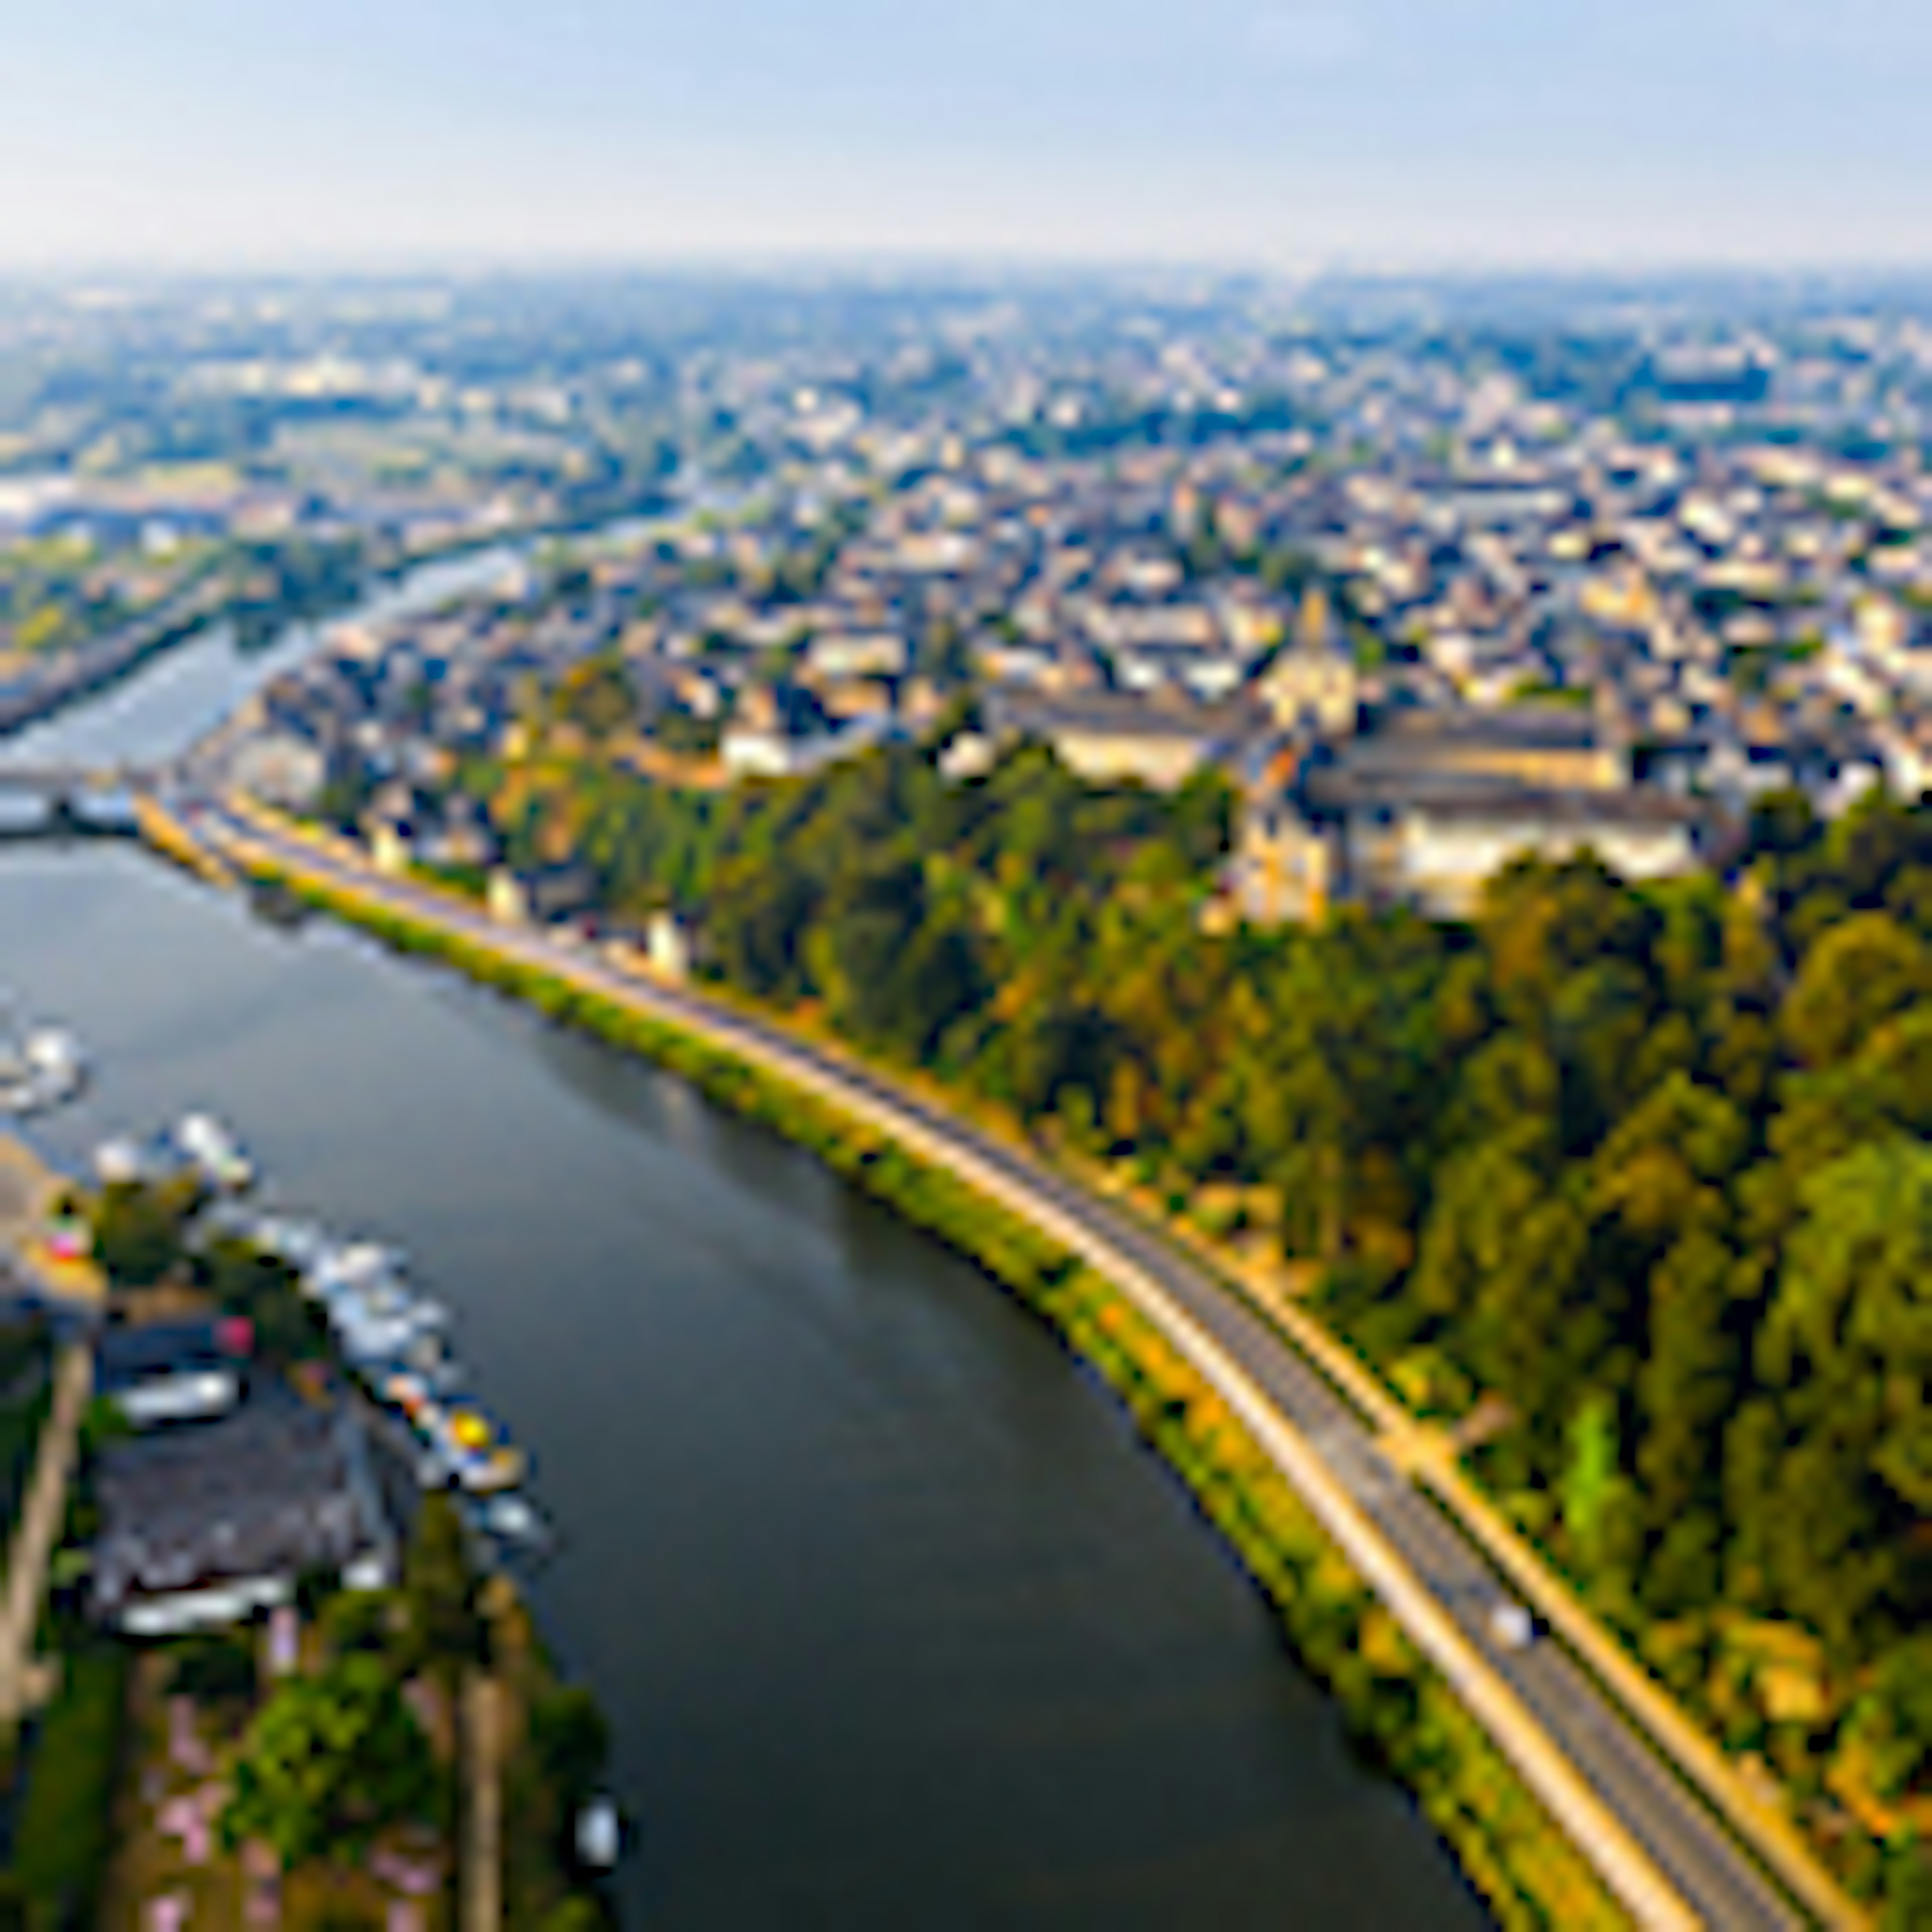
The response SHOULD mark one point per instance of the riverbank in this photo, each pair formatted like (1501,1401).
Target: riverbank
(86,669)
(64,680)
(1400,1703)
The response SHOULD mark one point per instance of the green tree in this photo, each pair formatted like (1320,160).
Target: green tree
(1593,1472)
(366,1621)
(1688,1382)
(1856,974)
(330,1761)
(136,1227)
(1908,1892)
(571,1742)
(246,1280)
(1852,1313)
(1893,1720)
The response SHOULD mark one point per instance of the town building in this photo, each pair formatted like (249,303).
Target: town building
(207,1522)
(539,897)
(1422,809)
(1113,737)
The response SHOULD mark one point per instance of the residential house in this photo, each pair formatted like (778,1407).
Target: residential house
(204,1524)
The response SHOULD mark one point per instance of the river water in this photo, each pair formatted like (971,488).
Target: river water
(896,1625)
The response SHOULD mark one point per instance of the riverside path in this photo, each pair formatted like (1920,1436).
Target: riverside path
(1668,1857)
(24,1680)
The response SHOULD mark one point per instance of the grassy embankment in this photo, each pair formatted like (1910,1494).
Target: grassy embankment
(555,1746)
(64,1826)
(66,1761)
(1401,1712)
(70,1757)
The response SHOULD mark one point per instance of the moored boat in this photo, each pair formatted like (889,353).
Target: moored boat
(214,1153)
(40,1069)
(511,1519)
(122,1161)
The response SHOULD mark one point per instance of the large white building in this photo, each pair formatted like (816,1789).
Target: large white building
(1423,810)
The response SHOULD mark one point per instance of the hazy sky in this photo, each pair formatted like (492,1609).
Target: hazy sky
(1292,132)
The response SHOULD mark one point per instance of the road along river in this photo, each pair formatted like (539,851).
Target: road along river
(1651,1844)
(896,1623)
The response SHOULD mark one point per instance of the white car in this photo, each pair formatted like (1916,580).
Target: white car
(1511,1626)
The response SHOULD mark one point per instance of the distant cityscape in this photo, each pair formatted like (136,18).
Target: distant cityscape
(1433,580)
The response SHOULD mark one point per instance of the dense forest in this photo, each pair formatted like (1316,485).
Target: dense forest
(1644,1175)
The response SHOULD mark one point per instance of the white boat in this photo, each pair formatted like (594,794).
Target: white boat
(428,1357)
(486,1472)
(42,1069)
(300,1243)
(511,1519)
(375,1318)
(54,1053)
(351,1268)
(213,1152)
(121,1160)
(482,1460)
(600,1834)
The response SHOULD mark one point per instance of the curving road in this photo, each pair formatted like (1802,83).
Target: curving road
(1440,1574)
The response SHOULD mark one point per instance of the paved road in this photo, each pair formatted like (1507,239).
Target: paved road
(23,1680)
(1670,1822)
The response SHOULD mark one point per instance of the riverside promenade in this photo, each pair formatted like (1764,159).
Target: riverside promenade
(25,1680)
(1667,1859)
(27,1189)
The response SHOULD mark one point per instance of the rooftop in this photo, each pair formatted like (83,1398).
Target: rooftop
(275,1488)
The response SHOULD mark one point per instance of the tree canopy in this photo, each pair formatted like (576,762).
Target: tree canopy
(330,1760)
(1645,1171)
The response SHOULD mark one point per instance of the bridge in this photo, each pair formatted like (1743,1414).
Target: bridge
(91,797)
(75,781)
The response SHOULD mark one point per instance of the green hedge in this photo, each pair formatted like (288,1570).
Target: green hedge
(64,1834)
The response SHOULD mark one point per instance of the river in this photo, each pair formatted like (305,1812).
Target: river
(896,1624)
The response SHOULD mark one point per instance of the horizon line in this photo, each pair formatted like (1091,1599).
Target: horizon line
(756,262)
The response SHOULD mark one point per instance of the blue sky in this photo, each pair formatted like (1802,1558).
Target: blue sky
(1288,132)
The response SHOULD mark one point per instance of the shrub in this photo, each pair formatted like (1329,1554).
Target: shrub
(570,1740)
(328,1762)
(216,1670)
